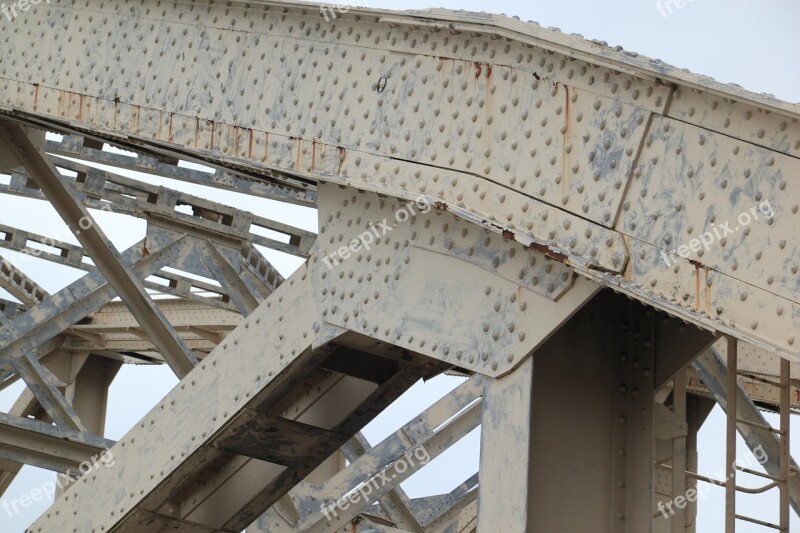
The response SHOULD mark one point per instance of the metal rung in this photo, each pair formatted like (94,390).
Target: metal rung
(758,425)
(760,474)
(759,522)
(721,483)
(760,490)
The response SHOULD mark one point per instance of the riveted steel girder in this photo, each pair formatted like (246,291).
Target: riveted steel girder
(478,180)
(555,142)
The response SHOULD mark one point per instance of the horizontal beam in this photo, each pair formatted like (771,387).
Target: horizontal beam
(78,147)
(71,255)
(43,445)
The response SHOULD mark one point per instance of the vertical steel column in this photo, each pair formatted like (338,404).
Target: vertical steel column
(505,452)
(678,524)
(785,459)
(730,440)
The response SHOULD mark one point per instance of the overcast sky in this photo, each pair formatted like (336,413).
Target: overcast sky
(752,43)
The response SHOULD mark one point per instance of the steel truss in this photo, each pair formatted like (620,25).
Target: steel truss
(494,200)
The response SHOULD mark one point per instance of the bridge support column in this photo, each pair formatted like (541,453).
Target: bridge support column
(505,458)
(592,442)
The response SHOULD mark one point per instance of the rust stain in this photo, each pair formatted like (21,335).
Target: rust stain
(440,206)
(342,154)
(250,146)
(697,289)
(488,71)
(80,107)
(508,235)
(697,296)
(627,274)
(565,140)
(477,70)
(169,132)
(213,127)
(549,252)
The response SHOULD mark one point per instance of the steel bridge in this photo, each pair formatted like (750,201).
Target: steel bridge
(591,238)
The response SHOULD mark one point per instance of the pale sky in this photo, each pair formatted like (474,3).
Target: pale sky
(752,43)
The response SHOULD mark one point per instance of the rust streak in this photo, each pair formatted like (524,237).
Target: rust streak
(299,148)
(565,141)
(342,155)
(213,127)
(697,289)
(169,133)
(697,266)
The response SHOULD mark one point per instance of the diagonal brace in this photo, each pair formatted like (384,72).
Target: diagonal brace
(44,386)
(714,372)
(102,251)
(229,278)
